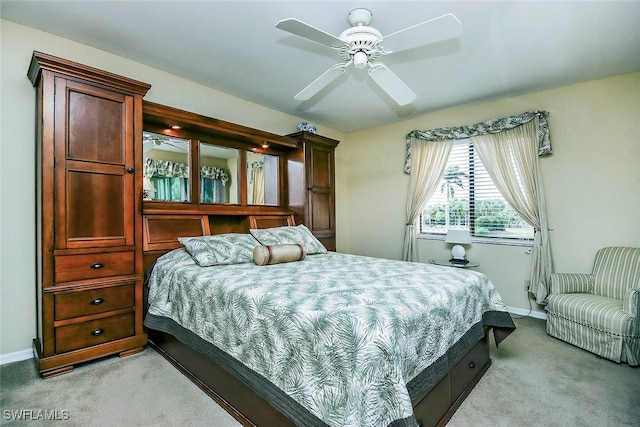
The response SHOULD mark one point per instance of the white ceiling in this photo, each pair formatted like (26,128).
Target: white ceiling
(506,48)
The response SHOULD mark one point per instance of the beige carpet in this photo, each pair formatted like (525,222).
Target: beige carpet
(535,380)
(139,390)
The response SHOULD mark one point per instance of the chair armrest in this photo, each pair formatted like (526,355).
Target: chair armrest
(571,283)
(631,303)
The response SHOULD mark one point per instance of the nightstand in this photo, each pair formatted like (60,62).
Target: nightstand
(447,263)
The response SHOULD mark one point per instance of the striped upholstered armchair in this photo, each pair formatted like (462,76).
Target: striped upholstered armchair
(600,312)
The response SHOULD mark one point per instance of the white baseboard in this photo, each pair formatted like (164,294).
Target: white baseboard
(17,356)
(528,313)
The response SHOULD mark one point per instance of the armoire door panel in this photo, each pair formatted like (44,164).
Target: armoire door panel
(96,123)
(94,165)
(96,211)
(320,215)
(321,168)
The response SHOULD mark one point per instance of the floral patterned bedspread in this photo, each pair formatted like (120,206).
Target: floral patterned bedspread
(341,334)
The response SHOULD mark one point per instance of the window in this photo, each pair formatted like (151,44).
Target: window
(467,198)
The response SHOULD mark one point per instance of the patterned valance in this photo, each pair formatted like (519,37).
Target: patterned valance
(212,172)
(483,128)
(167,169)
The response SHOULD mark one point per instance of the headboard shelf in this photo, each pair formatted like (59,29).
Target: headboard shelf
(164,116)
(159,208)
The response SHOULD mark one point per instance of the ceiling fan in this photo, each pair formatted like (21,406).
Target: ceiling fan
(361,46)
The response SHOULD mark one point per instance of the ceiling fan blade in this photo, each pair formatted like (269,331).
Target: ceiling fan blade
(390,83)
(321,82)
(175,146)
(301,29)
(434,30)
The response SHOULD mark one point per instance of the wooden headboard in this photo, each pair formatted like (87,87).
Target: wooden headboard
(161,231)
(269,221)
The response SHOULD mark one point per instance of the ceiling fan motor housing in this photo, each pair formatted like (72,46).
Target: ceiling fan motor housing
(361,39)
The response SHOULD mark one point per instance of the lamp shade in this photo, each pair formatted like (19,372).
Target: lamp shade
(147,189)
(147,185)
(458,237)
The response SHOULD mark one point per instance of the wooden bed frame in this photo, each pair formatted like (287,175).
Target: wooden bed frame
(434,407)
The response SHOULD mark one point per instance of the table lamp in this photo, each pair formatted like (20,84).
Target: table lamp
(147,189)
(458,238)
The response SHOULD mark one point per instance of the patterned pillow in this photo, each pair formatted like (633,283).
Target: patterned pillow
(220,249)
(298,234)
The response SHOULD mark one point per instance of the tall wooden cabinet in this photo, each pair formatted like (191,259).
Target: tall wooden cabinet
(311,173)
(89,223)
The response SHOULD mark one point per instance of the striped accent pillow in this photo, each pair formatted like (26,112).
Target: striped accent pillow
(290,234)
(275,254)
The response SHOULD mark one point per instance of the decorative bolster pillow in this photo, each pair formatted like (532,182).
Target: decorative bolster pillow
(275,254)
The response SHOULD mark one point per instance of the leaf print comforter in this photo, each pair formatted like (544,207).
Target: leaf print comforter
(342,335)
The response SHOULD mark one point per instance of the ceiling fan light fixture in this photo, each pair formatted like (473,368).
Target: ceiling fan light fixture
(360,60)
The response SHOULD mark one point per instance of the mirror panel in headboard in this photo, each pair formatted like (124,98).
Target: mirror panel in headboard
(225,167)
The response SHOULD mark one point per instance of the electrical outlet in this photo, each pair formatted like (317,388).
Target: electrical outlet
(527,285)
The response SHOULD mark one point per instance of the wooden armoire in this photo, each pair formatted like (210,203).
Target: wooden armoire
(89,213)
(311,179)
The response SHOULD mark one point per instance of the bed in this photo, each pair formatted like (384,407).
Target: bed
(328,339)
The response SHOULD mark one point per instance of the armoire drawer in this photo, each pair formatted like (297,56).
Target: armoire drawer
(94,332)
(95,265)
(81,303)
(468,367)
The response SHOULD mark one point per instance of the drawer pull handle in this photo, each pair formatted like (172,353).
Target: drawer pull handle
(472,365)
(97,266)
(97,301)
(130,170)
(97,332)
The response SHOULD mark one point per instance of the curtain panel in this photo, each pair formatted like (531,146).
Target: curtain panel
(430,161)
(255,167)
(483,128)
(511,161)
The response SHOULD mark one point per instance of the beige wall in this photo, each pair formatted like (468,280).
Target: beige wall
(17,173)
(592,181)
(584,183)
